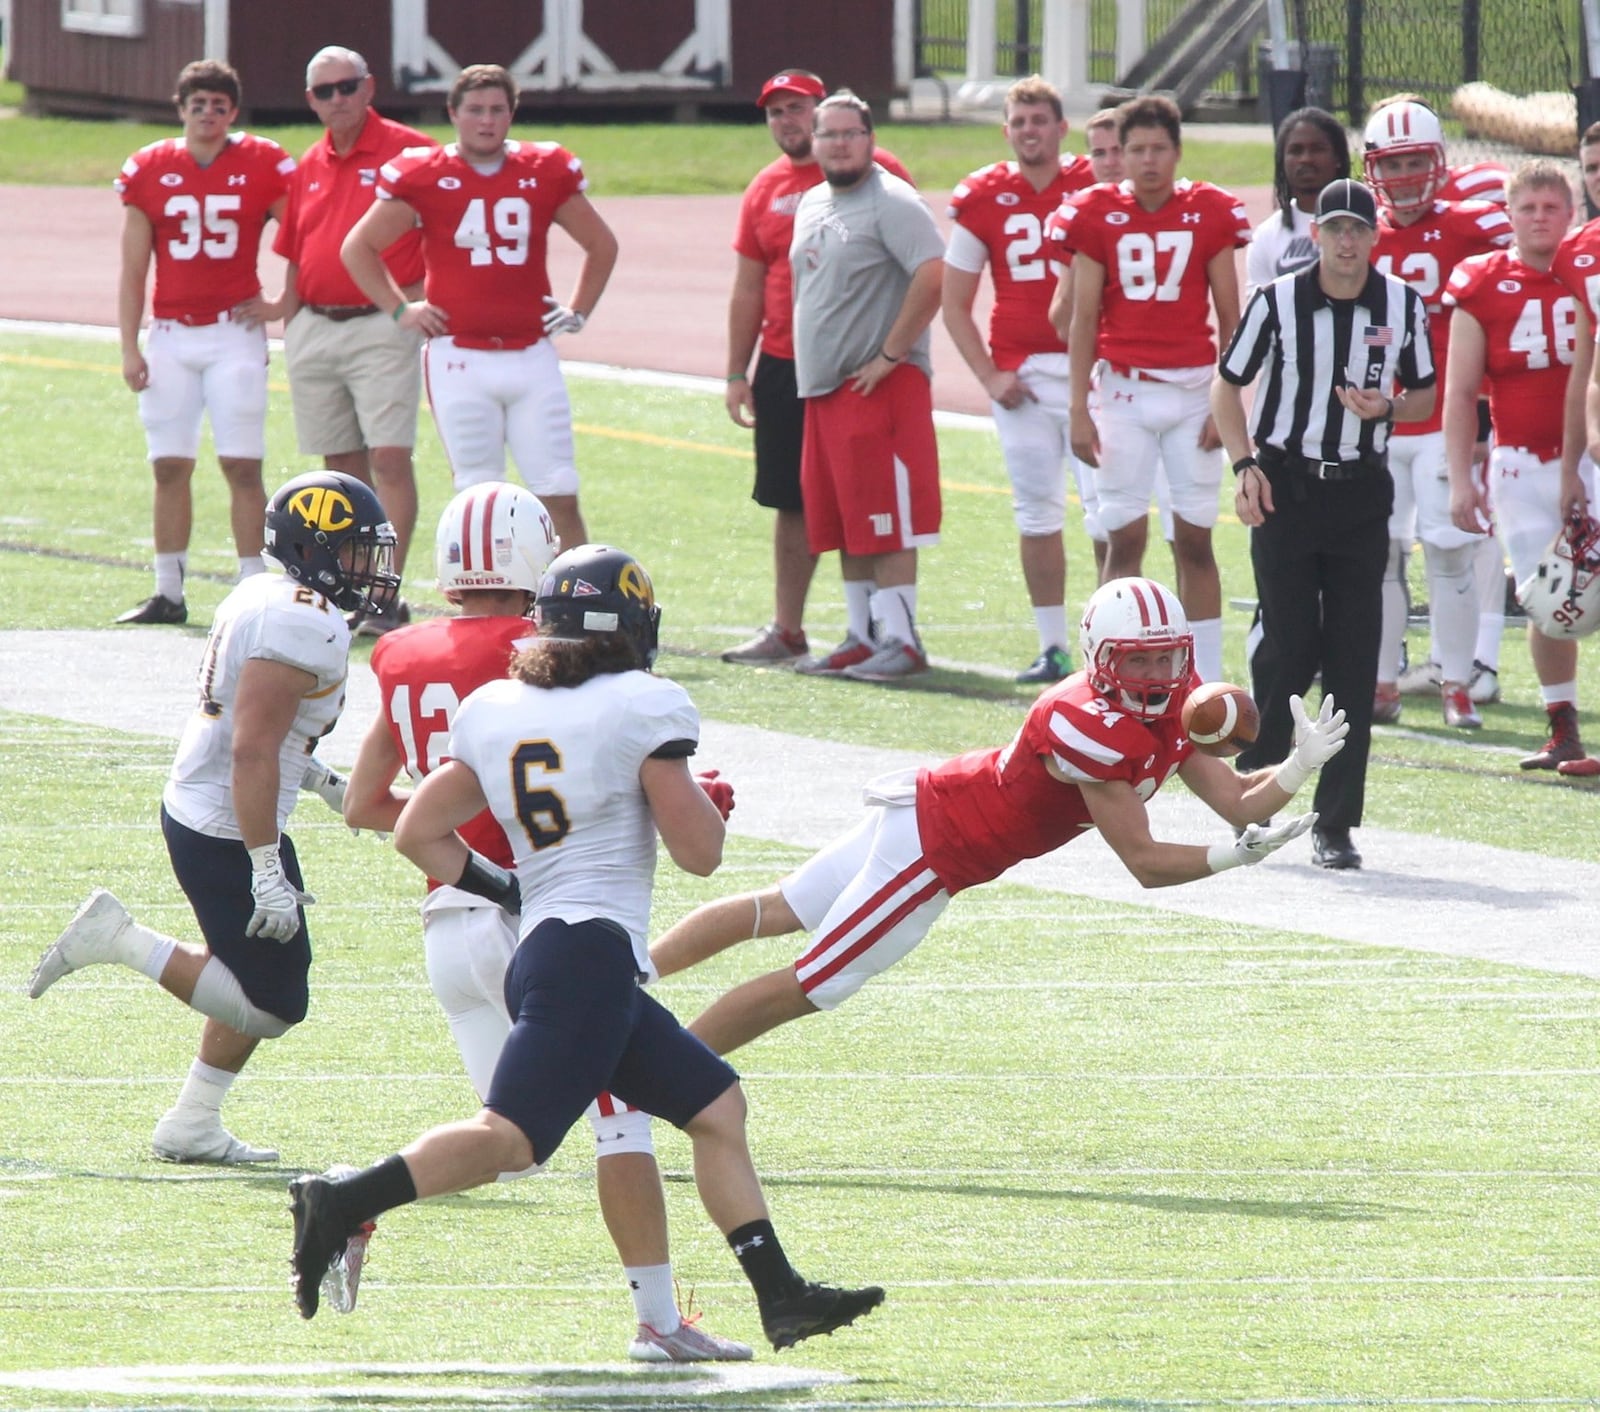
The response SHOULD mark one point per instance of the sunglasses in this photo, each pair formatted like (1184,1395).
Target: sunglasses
(322,92)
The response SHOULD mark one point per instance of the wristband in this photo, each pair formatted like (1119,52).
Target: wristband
(884,354)
(1291,776)
(736,377)
(1222,856)
(1246,463)
(491,881)
(400,309)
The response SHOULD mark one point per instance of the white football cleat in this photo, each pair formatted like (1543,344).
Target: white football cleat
(688,1343)
(90,939)
(182,1137)
(343,1277)
(1421,680)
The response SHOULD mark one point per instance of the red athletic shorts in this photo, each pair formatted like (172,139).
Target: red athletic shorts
(869,471)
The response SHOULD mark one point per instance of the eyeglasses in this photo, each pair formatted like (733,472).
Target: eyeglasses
(322,92)
(849,134)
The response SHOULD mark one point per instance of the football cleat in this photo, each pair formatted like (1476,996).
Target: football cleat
(1563,744)
(809,1310)
(319,1239)
(1587,768)
(1051,665)
(184,1136)
(1459,711)
(157,609)
(1422,680)
(91,938)
(849,653)
(688,1343)
(894,661)
(1484,688)
(771,647)
(1385,704)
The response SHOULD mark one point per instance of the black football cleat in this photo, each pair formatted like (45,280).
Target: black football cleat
(809,1310)
(156,609)
(319,1238)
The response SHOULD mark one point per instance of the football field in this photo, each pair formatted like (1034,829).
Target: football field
(1281,1139)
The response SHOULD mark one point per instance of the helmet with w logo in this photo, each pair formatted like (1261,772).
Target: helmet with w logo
(1132,618)
(1404,156)
(594,590)
(1562,595)
(328,531)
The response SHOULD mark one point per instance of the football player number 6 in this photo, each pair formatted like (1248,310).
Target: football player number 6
(540,810)
(1139,260)
(511,218)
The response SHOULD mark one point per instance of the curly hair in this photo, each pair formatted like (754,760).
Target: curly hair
(554,661)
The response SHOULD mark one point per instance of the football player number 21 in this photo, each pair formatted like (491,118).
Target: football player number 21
(497,231)
(1151,267)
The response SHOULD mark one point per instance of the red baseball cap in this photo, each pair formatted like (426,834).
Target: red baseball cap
(792,81)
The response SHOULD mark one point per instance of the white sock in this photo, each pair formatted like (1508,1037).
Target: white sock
(655,1301)
(249,566)
(1562,693)
(894,610)
(858,607)
(1208,648)
(1052,625)
(169,575)
(158,951)
(204,1089)
(1491,628)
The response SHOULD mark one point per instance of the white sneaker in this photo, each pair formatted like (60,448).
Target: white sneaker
(893,661)
(688,1343)
(181,1136)
(89,940)
(1421,680)
(1484,688)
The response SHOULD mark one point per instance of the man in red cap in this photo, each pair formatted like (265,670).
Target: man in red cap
(761,310)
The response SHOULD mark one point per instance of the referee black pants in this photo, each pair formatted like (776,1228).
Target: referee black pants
(1319,561)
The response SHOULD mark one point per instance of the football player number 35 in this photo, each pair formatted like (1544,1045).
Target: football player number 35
(1151,267)
(208,229)
(496,232)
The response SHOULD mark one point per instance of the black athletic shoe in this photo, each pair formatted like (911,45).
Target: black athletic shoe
(319,1238)
(809,1310)
(157,609)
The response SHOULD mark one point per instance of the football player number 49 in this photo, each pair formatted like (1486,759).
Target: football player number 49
(511,219)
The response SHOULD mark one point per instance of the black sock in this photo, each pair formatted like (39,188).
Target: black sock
(765,1265)
(380,1188)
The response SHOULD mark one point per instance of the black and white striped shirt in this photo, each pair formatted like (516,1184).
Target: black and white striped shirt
(1308,345)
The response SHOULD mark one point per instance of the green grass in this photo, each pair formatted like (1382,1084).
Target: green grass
(643,160)
(1097,1160)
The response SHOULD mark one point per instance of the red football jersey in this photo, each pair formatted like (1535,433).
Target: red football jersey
(766,230)
(424,673)
(999,206)
(1577,265)
(1155,309)
(484,238)
(985,811)
(1476,181)
(1423,254)
(207,221)
(1528,319)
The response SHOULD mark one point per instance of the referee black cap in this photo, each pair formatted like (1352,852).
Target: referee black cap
(1345,197)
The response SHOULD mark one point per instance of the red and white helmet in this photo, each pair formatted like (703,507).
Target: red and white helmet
(1562,596)
(1401,130)
(494,535)
(1127,616)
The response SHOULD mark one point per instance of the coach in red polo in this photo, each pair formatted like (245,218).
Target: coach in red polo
(354,376)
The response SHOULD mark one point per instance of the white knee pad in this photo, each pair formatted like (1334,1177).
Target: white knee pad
(624,1130)
(1449,566)
(219,996)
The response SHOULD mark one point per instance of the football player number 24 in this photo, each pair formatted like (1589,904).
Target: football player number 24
(1151,267)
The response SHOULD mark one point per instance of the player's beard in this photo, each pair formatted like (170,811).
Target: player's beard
(796,148)
(842,178)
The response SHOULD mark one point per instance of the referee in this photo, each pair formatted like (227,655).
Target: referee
(1332,344)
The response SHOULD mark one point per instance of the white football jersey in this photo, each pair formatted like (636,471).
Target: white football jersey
(560,769)
(281,620)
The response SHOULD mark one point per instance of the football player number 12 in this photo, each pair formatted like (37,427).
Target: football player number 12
(496,232)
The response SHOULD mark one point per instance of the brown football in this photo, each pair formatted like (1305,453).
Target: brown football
(1220,718)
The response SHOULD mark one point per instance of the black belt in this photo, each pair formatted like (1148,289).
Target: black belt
(1274,460)
(342,313)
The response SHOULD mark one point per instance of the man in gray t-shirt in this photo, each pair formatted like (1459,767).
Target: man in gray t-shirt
(868,265)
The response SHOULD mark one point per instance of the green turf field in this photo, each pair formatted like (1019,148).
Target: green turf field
(1098,1157)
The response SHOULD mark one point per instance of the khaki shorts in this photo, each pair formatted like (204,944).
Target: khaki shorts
(354,384)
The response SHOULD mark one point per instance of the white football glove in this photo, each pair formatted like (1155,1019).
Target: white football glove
(330,784)
(561,319)
(278,901)
(1255,843)
(1315,742)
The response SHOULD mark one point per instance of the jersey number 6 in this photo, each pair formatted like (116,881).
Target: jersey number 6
(540,810)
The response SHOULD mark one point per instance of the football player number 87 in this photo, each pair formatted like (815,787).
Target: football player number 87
(1138,264)
(540,810)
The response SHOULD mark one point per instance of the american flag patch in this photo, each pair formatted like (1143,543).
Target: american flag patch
(1377,337)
